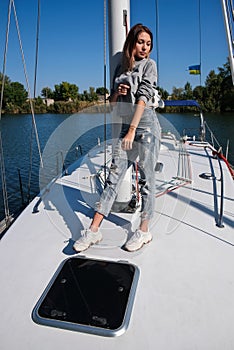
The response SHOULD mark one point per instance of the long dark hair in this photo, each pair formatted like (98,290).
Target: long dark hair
(130,43)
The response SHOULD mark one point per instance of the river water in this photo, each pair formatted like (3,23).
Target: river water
(64,138)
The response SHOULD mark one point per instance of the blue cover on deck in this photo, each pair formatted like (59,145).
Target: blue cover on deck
(181,103)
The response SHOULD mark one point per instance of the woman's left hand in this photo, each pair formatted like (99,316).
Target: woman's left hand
(128,140)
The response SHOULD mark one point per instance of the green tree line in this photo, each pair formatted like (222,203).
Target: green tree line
(65,98)
(216,95)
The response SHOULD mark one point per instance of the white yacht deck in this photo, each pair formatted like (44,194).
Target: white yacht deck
(184,296)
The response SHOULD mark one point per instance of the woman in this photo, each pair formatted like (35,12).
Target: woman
(134,87)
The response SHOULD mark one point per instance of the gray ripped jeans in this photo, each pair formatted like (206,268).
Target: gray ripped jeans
(145,146)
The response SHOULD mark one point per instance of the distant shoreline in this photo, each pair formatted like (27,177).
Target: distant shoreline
(61,107)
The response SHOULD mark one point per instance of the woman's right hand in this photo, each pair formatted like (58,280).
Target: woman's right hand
(128,139)
(122,89)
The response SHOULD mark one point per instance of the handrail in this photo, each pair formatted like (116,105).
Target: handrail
(213,138)
(219,217)
(190,103)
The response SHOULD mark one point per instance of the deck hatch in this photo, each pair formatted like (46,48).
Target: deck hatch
(87,295)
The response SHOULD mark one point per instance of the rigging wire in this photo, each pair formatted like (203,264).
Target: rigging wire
(200,40)
(37,47)
(157,38)
(228,14)
(105,121)
(232,9)
(2,164)
(34,95)
(5,55)
(27,83)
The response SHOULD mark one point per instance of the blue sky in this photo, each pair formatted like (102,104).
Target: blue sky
(71,40)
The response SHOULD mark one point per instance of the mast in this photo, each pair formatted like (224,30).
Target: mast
(228,13)
(118,23)
(119,16)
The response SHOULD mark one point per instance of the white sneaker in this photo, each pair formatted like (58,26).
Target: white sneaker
(87,239)
(138,240)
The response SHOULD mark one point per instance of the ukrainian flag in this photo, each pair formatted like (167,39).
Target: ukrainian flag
(195,69)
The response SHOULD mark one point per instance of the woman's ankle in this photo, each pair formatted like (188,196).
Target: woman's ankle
(94,229)
(144,227)
(96,222)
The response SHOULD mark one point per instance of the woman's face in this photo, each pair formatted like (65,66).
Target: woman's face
(143,46)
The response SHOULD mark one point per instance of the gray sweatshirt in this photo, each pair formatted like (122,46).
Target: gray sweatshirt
(142,81)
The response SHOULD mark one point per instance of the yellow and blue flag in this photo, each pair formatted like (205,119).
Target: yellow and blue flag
(195,69)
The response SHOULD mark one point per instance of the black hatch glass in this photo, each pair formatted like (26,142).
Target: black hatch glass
(94,296)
